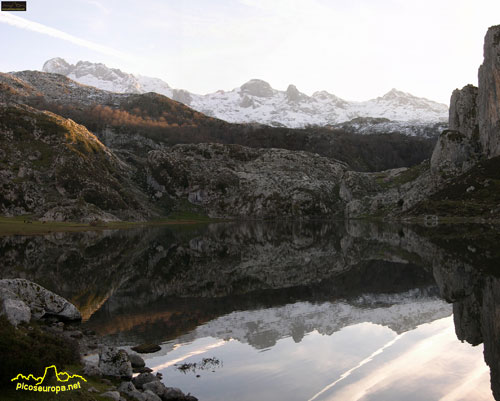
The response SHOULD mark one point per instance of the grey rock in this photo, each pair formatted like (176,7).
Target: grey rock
(114,362)
(144,378)
(155,386)
(175,394)
(16,311)
(150,396)
(142,370)
(129,389)
(136,361)
(91,369)
(112,395)
(40,301)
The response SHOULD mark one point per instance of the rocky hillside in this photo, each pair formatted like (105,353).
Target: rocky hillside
(138,123)
(235,181)
(57,170)
(151,155)
(467,155)
(257,102)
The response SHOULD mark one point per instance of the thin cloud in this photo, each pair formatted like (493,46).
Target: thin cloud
(24,23)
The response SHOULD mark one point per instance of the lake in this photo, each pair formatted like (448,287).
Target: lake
(287,310)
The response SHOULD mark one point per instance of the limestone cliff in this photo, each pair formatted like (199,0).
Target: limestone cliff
(458,148)
(489,94)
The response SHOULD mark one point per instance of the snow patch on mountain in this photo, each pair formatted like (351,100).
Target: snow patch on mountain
(257,102)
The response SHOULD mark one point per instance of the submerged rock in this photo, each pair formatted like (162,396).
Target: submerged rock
(146,348)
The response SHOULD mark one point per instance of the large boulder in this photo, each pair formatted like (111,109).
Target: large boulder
(17,296)
(489,94)
(16,311)
(114,362)
(144,378)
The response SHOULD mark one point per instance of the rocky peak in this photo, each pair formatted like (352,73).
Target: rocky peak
(394,94)
(99,70)
(489,94)
(257,87)
(293,94)
(181,95)
(463,111)
(103,77)
(57,66)
(458,148)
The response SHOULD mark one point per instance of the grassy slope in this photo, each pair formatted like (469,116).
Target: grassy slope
(20,226)
(473,194)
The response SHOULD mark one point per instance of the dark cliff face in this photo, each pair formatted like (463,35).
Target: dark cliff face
(474,117)
(476,314)
(459,148)
(489,94)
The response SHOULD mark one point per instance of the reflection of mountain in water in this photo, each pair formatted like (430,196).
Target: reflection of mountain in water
(262,328)
(259,282)
(400,296)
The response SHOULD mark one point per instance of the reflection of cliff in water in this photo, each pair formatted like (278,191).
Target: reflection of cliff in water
(476,309)
(400,296)
(164,283)
(137,267)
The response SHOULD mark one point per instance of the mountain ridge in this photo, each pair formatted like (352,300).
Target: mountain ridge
(256,101)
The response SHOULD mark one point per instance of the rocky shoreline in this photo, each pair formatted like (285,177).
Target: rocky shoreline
(123,374)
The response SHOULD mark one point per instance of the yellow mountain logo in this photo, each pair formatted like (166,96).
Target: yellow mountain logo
(32,383)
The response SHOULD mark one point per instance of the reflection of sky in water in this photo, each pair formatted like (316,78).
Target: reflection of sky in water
(360,362)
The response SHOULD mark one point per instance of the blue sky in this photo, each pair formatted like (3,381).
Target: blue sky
(354,49)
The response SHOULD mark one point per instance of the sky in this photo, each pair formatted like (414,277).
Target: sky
(355,49)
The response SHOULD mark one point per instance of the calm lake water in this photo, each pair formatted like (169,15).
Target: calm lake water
(289,310)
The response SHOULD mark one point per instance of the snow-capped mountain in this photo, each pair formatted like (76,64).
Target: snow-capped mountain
(110,79)
(257,102)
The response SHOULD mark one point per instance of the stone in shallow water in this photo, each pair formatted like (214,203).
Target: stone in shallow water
(144,378)
(136,361)
(146,348)
(156,387)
